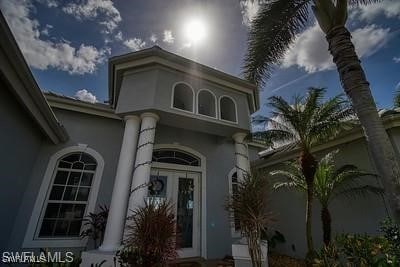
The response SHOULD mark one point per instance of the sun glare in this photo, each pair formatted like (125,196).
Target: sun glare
(195,31)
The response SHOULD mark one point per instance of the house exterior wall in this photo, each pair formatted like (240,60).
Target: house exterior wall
(151,89)
(104,136)
(349,215)
(101,134)
(20,141)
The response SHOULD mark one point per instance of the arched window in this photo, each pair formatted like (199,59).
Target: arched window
(183,97)
(68,196)
(176,157)
(206,103)
(227,109)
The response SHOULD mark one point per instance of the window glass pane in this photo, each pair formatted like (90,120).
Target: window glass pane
(78,165)
(61,228)
(64,164)
(175,157)
(83,194)
(52,210)
(185,211)
(79,210)
(72,158)
(66,211)
(206,104)
(86,179)
(61,177)
(70,193)
(87,159)
(47,228)
(183,97)
(75,228)
(228,109)
(74,178)
(56,192)
(90,167)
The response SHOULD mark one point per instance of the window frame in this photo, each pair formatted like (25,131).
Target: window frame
(215,104)
(32,239)
(194,104)
(220,106)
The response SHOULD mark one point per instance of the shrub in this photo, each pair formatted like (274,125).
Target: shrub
(391,231)
(95,225)
(357,250)
(151,236)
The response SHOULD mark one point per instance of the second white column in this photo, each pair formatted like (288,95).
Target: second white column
(141,174)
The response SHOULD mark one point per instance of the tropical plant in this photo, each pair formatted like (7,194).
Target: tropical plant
(151,236)
(304,123)
(273,31)
(391,232)
(359,250)
(329,183)
(248,205)
(95,225)
(396,100)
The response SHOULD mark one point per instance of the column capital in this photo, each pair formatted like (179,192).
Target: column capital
(149,114)
(131,117)
(239,137)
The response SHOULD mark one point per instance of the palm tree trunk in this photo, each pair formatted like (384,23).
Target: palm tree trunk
(326,225)
(357,88)
(308,167)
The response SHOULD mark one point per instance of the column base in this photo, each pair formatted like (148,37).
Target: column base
(93,258)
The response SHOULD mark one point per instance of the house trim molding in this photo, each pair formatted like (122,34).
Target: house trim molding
(30,241)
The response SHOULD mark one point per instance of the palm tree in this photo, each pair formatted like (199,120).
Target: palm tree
(328,184)
(272,32)
(305,123)
(396,100)
(248,205)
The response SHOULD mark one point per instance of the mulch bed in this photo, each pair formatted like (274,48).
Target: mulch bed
(278,260)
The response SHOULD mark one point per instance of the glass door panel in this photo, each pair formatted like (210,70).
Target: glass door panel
(185,212)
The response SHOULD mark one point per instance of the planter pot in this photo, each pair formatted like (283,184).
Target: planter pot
(240,253)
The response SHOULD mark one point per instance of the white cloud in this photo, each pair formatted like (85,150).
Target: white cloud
(389,8)
(118,36)
(168,37)
(92,9)
(249,9)
(44,54)
(310,50)
(85,95)
(46,29)
(153,38)
(396,59)
(135,44)
(49,3)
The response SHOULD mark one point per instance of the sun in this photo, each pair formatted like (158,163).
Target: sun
(195,31)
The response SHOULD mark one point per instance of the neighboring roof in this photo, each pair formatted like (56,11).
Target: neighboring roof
(69,103)
(15,71)
(156,55)
(390,118)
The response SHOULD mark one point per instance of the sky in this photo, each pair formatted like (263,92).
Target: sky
(67,43)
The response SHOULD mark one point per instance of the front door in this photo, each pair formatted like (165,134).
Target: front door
(182,189)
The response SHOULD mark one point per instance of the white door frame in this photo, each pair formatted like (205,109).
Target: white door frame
(202,170)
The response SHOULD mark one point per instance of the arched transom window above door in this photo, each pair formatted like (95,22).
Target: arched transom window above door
(175,156)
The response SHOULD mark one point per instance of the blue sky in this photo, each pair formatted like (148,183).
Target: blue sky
(67,43)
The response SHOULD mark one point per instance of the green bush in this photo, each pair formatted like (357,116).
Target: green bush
(359,251)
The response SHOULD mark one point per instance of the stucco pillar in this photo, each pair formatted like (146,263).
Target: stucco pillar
(119,201)
(242,155)
(141,174)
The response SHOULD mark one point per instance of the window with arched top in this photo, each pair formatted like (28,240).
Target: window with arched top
(183,97)
(68,196)
(175,156)
(227,109)
(206,103)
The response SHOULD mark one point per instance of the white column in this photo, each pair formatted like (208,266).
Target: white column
(119,201)
(242,155)
(141,174)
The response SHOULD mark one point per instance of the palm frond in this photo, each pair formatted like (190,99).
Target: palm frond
(272,31)
(361,191)
(363,2)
